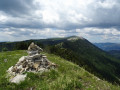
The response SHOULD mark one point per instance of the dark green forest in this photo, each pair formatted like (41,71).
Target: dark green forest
(80,51)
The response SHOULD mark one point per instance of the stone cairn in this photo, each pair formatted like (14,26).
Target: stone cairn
(34,62)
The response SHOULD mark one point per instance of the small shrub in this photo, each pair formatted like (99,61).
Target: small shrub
(4,49)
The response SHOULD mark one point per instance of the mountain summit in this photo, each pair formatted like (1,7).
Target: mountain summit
(74,38)
(79,51)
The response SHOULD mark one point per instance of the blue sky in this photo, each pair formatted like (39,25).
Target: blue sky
(95,20)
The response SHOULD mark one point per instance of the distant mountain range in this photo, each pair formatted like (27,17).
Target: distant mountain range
(77,50)
(111,48)
(108,46)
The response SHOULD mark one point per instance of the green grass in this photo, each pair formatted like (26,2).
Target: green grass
(67,76)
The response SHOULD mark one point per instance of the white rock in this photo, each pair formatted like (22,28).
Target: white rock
(44,56)
(75,38)
(19,67)
(34,62)
(10,69)
(32,52)
(5,60)
(22,58)
(18,78)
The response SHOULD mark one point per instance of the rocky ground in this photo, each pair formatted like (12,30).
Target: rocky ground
(34,62)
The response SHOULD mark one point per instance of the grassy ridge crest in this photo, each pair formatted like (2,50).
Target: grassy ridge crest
(68,76)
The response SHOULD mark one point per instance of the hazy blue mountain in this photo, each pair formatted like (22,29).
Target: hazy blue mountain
(77,50)
(111,48)
(108,46)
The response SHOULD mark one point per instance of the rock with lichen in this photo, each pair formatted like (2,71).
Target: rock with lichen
(34,62)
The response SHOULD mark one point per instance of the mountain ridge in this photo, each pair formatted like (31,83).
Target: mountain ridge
(81,52)
(68,76)
(108,46)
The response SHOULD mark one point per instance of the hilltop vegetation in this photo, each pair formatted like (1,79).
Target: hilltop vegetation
(79,51)
(67,76)
(90,57)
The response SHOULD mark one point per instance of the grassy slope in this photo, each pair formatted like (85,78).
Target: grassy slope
(67,76)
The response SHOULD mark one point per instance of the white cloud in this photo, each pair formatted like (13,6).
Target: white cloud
(108,4)
(102,34)
(59,18)
(68,14)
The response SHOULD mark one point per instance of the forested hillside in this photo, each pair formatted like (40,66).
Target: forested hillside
(79,51)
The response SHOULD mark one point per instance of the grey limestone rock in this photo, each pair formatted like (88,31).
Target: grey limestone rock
(34,62)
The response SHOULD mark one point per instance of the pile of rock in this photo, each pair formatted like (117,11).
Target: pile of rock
(34,62)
